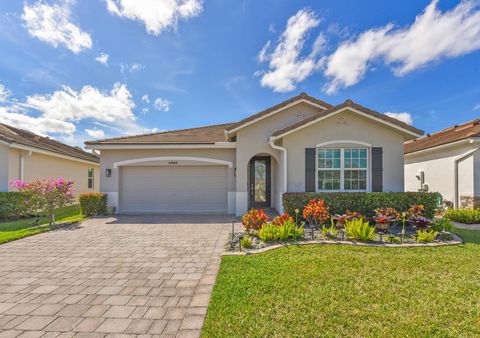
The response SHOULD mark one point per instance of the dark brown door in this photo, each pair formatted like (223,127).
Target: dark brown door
(260,182)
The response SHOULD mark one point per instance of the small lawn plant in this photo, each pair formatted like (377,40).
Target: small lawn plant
(388,225)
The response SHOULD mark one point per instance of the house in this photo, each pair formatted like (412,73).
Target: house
(27,156)
(447,162)
(301,144)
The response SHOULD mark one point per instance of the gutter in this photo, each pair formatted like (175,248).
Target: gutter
(455,169)
(272,144)
(50,153)
(446,145)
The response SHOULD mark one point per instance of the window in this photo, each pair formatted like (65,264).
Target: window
(90,178)
(342,169)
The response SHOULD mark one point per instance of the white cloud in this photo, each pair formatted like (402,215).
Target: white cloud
(131,68)
(4,93)
(162,104)
(404,117)
(476,107)
(286,66)
(95,133)
(145,98)
(156,15)
(433,36)
(103,58)
(53,24)
(38,125)
(89,102)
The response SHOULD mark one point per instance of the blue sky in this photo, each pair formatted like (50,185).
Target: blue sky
(190,62)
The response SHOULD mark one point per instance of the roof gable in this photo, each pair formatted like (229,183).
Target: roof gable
(303,97)
(356,108)
(449,135)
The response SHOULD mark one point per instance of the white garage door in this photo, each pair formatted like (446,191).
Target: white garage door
(174,189)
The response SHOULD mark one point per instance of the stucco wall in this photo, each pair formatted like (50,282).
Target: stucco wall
(110,185)
(3,168)
(438,167)
(346,126)
(252,140)
(43,167)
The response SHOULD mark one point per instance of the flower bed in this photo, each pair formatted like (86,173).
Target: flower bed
(387,227)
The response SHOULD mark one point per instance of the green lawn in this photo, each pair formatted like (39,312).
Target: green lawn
(20,228)
(346,291)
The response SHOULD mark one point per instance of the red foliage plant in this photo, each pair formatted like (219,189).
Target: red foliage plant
(416,210)
(279,220)
(316,212)
(254,219)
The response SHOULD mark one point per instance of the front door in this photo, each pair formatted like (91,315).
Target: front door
(260,182)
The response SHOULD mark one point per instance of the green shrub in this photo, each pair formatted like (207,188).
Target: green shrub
(443,224)
(425,236)
(467,216)
(12,204)
(360,230)
(287,231)
(331,231)
(246,242)
(93,204)
(363,202)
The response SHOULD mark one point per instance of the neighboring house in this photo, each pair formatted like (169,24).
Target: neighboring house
(301,144)
(27,156)
(447,162)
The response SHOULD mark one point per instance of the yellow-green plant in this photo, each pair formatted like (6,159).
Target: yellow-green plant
(331,231)
(425,236)
(246,242)
(359,230)
(288,230)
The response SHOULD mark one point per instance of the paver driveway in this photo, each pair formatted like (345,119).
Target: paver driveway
(132,275)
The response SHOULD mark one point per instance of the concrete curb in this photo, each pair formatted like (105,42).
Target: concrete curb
(455,241)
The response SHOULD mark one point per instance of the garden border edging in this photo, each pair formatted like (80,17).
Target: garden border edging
(455,241)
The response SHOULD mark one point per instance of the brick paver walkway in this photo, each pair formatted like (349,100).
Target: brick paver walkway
(136,275)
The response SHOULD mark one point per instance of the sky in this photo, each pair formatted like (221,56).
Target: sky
(84,70)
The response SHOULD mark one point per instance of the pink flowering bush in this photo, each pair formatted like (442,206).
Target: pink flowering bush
(46,195)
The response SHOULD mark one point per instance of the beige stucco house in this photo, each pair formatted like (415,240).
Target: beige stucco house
(447,162)
(27,156)
(301,144)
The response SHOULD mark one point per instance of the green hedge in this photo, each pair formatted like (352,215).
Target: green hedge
(363,202)
(93,204)
(12,204)
(467,216)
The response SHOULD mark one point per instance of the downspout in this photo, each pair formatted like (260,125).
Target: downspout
(455,169)
(285,166)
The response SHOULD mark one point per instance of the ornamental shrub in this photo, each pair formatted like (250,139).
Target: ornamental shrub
(360,230)
(46,195)
(254,219)
(467,216)
(280,220)
(363,202)
(93,204)
(12,204)
(316,212)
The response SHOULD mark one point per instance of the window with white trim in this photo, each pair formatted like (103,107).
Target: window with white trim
(90,178)
(342,169)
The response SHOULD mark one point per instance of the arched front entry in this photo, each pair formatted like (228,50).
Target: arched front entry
(260,182)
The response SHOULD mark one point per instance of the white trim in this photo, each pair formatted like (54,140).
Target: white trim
(285,164)
(274,112)
(441,146)
(4,143)
(50,153)
(342,142)
(216,145)
(172,158)
(341,110)
(455,176)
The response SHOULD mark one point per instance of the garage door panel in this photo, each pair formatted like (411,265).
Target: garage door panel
(174,189)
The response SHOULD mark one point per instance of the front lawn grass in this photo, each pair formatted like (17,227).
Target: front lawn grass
(347,291)
(16,229)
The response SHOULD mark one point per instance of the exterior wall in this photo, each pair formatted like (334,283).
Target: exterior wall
(3,168)
(252,140)
(43,167)
(439,169)
(346,126)
(111,185)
